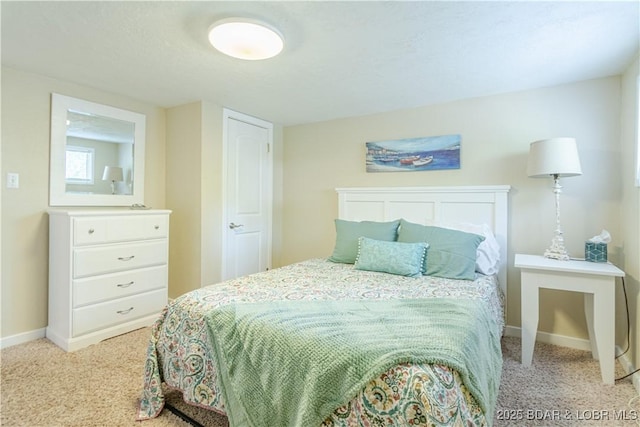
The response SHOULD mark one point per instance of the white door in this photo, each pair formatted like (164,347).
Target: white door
(248,195)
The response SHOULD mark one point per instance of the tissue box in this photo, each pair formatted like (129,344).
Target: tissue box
(595,252)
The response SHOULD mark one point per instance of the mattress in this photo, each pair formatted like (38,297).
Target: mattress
(180,354)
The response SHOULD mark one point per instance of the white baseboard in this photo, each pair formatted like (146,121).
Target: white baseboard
(548,338)
(628,366)
(579,344)
(22,338)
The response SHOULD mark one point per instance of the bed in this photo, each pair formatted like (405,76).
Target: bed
(372,335)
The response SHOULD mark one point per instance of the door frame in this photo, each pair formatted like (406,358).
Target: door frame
(268,172)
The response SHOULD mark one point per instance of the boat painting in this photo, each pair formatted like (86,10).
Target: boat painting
(414,154)
(423,161)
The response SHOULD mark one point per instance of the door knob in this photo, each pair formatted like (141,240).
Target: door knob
(234,226)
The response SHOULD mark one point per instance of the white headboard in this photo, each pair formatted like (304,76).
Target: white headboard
(426,205)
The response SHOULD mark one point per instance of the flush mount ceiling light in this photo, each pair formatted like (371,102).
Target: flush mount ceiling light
(245,38)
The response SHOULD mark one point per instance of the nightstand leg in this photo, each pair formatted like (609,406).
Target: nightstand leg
(588,314)
(604,330)
(529,308)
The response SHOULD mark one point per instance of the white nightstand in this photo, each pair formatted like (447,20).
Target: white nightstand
(595,280)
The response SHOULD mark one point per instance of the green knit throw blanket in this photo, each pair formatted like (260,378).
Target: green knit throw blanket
(292,363)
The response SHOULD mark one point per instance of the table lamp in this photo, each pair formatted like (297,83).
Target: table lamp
(555,157)
(113,174)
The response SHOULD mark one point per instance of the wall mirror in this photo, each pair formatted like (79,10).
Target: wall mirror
(97,154)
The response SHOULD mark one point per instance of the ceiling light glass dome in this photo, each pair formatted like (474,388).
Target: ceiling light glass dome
(245,38)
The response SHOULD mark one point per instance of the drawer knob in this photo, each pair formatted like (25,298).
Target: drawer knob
(126,258)
(157,227)
(91,231)
(124,285)
(127,311)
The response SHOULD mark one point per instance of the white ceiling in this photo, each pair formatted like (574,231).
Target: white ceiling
(341,59)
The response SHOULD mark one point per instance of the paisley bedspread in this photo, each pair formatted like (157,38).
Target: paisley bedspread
(180,354)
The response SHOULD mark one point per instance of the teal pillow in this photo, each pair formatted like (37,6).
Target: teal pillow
(452,253)
(404,259)
(348,233)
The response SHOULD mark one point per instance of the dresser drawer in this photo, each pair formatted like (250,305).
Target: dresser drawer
(91,261)
(99,316)
(97,230)
(89,231)
(138,227)
(96,289)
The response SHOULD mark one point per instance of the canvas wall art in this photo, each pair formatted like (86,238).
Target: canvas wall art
(414,154)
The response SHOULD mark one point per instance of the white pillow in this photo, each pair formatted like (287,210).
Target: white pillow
(488,252)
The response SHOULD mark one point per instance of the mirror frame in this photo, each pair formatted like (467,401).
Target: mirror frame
(58,196)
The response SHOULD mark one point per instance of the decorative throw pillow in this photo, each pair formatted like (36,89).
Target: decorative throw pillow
(488,253)
(452,253)
(348,233)
(404,259)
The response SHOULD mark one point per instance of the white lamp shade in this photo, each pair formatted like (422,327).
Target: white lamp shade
(556,156)
(112,173)
(245,39)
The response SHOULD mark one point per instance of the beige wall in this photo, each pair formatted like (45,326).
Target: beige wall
(211,184)
(630,214)
(26,100)
(496,132)
(194,192)
(184,189)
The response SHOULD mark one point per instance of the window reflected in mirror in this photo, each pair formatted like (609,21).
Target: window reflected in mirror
(79,166)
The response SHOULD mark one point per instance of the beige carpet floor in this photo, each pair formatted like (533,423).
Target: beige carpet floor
(41,385)
(562,387)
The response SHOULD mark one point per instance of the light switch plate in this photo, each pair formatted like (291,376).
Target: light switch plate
(13,180)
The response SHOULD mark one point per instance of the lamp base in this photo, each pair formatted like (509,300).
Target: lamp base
(557,250)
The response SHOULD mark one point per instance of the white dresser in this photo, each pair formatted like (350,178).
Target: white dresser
(107,273)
